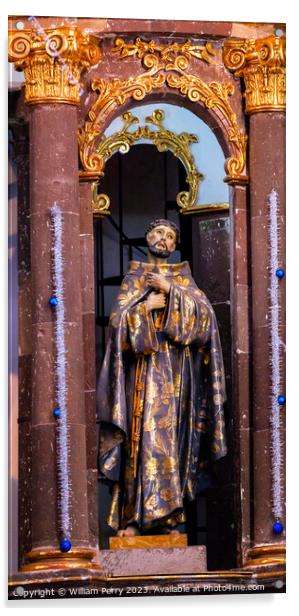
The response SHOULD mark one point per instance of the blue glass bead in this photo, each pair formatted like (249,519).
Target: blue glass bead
(53,301)
(65,545)
(281,400)
(279,273)
(277,528)
(56,412)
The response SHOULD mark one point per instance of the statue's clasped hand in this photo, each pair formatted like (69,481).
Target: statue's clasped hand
(155,301)
(159,282)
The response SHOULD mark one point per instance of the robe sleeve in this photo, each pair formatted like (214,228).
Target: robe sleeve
(141,330)
(187,318)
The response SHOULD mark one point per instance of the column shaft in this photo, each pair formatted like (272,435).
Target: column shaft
(54,178)
(267,172)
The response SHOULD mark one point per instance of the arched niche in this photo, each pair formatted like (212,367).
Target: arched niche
(176,129)
(213,232)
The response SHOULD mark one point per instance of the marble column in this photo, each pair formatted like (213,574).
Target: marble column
(55,58)
(261,63)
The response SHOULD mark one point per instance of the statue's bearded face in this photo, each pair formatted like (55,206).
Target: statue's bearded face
(161,241)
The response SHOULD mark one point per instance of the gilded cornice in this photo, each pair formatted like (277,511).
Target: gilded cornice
(262,64)
(52,61)
(166,66)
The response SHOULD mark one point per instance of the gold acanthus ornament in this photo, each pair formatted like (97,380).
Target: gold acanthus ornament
(163,139)
(262,64)
(52,61)
(165,66)
(166,52)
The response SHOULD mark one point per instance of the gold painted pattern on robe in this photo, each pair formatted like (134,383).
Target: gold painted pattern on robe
(191,318)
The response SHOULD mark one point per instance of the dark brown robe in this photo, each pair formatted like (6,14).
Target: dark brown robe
(177,393)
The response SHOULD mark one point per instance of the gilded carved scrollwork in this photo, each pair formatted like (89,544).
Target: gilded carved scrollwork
(167,53)
(164,66)
(100,202)
(262,64)
(163,139)
(52,61)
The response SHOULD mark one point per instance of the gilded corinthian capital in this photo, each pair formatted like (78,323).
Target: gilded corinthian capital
(262,64)
(52,61)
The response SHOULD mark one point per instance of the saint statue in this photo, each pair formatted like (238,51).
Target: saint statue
(160,393)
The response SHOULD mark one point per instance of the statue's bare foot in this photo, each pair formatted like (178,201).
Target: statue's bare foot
(130,531)
(174,532)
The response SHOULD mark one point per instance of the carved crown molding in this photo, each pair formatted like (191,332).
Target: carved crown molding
(262,64)
(52,61)
(164,66)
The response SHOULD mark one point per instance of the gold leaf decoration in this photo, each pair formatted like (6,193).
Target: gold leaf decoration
(165,66)
(52,61)
(163,139)
(167,53)
(262,64)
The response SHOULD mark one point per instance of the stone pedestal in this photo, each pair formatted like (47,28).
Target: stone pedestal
(155,561)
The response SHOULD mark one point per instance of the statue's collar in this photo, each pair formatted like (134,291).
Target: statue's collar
(167,269)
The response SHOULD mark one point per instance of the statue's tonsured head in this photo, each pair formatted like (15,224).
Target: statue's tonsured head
(160,242)
(166,223)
